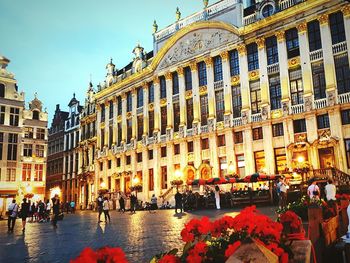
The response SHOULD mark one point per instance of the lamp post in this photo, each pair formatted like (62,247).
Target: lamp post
(178,179)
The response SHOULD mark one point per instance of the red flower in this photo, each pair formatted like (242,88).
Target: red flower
(200,249)
(187,236)
(169,259)
(291,218)
(204,226)
(194,259)
(112,255)
(284,258)
(86,256)
(232,249)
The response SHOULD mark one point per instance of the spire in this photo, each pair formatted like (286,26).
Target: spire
(155,26)
(178,14)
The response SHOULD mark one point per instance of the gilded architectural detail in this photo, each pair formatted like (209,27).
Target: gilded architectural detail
(346,10)
(254,75)
(275,114)
(208,61)
(294,62)
(203,90)
(260,42)
(123,96)
(224,55)
(168,75)
(163,102)
(119,118)
(280,35)
(128,115)
(188,94)
(242,50)
(193,66)
(151,106)
(323,19)
(302,27)
(180,71)
(155,80)
(235,80)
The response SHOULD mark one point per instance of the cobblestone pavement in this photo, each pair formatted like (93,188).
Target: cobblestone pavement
(141,235)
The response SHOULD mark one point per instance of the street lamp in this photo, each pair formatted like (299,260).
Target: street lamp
(230,169)
(103,185)
(178,179)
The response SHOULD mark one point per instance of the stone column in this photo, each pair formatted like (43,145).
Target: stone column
(288,136)
(284,74)
(268,149)
(169,99)
(244,80)
(134,116)
(156,170)
(230,149)
(214,158)
(98,127)
(156,109)
(115,122)
(184,153)
(227,88)
(346,14)
(182,101)
(170,165)
(211,94)
(196,98)
(124,129)
(197,149)
(106,123)
(145,117)
(248,151)
(145,174)
(312,135)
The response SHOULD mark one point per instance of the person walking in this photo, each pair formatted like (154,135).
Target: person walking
(100,207)
(24,213)
(55,210)
(330,190)
(106,209)
(12,215)
(178,202)
(217,197)
(121,203)
(154,205)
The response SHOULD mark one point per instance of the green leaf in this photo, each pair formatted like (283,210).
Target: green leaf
(173,251)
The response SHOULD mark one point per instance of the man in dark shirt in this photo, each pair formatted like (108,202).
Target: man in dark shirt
(178,202)
(100,207)
(55,210)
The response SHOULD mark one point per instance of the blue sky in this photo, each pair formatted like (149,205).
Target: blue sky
(54,46)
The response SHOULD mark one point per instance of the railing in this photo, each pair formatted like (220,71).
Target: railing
(166,194)
(218,84)
(237,121)
(256,117)
(120,149)
(204,129)
(129,146)
(316,55)
(163,138)
(139,110)
(339,47)
(285,4)
(176,97)
(344,98)
(339,177)
(321,103)
(299,108)
(218,7)
(189,132)
(250,19)
(273,68)
(150,140)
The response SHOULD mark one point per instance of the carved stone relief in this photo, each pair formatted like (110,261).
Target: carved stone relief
(331,97)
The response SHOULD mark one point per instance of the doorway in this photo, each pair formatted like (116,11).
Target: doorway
(326,156)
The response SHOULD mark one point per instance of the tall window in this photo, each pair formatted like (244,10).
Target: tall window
(163,112)
(119,133)
(150,123)
(336,22)
(217,68)
(204,109)
(14,116)
(2,90)
(38,173)
(342,73)
(296,87)
(139,97)
(27,150)
(292,43)
(40,134)
(12,147)
(252,55)
(238,137)
(110,136)
(188,78)
(151,93)
(236,101)
(139,127)
(120,105)
(103,112)
(318,80)
(39,151)
(162,83)
(189,109)
(35,115)
(345,117)
(1,144)
(2,114)
(202,73)
(26,172)
(220,107)
(150,180)
(314,35)
(234,62)
(28,132)
(257,133)
(128,101)
(111,109)
(275,92)
(255,96)
(323,121)
(175,78)
(176,109)
(164,177)
(11,172)
(129,130)
(299,126)
(277,129)
(271,50)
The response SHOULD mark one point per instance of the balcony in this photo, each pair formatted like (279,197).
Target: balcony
(273,68)
(339,48)
(250,19)
(139,110)
(237,121)
(150,140)
(296,109)
(344,98)
(285,4)
(321,103)
(120,149)
(189,132)
(163,138)
(222,151)
(256,117)
(129,146)
(316,55)
(204,129)
(218,84)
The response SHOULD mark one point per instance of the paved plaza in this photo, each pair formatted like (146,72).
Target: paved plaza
(140,235)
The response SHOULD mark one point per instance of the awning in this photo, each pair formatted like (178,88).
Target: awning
(8,193)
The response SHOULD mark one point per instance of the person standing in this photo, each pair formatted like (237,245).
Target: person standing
(55,210)
(100,207)
(33,211)
(330,190)
(217,197)
(133,201)
(154,205)
(72,207)
(24,213)
(178,201)
(12,212)
(121,203)
(106,209)
(313,191)
(283,187)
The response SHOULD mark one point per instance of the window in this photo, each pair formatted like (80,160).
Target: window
(128,159)
(205,143)
(14,116)
(189,109)
(292,43)
(280,160)
(314,35)
(11,172)
(238,137)
(151,93)
(221,140)
(150,123)
(277,129)
(102,139)
(336,22)
(190,147)
(267,11)
(162,83)
(38,173)
(118,162)
(175,78)
(120,105)
(27,150)
(204,109)
(255,96)
(217,68)
(234,62)
(323,121)
(139,157)
(26,171)
(163,112)
(202,73)
(220,105)
(222,167)
(275,92)
(176,109)
(164,178)
(39,150)
(128,130)
(40,134)
(139,97)
(176,149)
(139,127)
(252,55)
(345,117)
(128,101)
(2,90)
(259,158)
(271,50)
(110,136)
(103,112)
(150,180)
(188,78)
(150,154)
(319,81)
(299,126)
(12,147)
(109,164)
(236,101)
(28,132)
(2,114)
(119,133)
(111,109)
(1,144)
(163,151)
(342,73)
(35,115)
(257,133)
(240,164)
(296,87)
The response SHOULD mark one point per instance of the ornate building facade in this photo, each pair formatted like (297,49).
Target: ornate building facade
(23,142)
(258,88)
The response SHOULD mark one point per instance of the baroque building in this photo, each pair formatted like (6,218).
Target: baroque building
(23,142)
(259,87)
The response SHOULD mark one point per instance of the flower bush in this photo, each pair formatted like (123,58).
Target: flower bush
(103,255)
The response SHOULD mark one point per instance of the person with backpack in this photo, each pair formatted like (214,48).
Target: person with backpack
(12,215)
(100,207)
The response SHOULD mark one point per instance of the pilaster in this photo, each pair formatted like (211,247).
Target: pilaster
(145,114)
(227,87)
(134,114)
(195,97)
(346,14)
(169,99)
(268,149)
(124,130)
(156,106)
(248,151)
(243,64)
(182,100)
(214,159)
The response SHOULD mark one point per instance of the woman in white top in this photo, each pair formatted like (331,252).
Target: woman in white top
(217,197)
(330,191)
(313,191)
(106,209)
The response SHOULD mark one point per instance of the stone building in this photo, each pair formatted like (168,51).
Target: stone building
(233,88)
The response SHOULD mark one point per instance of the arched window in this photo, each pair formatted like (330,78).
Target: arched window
(267,10)
(35,115)
(2,90)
